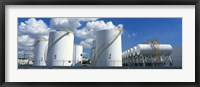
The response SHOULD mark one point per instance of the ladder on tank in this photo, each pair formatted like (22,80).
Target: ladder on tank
(106,45)
(55,40)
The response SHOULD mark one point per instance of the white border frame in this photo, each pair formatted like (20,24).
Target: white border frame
(186,74)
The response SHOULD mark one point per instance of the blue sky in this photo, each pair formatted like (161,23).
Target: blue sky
(137,30)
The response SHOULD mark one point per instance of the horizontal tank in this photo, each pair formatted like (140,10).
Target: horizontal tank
(131,52)
(39,50)
(148,49)
(128,52)
(123,55)
(134,51)
(60,48)
(108,48)
(78,55)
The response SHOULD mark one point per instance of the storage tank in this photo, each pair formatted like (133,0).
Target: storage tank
(148,49)
(78,55)
(133,51)
(126,54)
(108,48)
(123,55)
(39,50)
(130,54)
(60,48)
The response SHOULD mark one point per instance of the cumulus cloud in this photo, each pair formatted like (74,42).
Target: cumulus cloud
(68,23)
(88,33)
(87,43)
(25,45)
(25,40)
(33,28)
(28,31)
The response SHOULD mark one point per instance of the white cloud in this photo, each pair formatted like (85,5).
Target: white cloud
(20,54)
(68,23)
(25,43)
(64,23)
(87,43)
(88,33)
(94,26)
(25,40)
(33,28)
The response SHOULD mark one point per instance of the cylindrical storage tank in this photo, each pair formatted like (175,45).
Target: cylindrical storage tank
(126,54)
(111,55)
(78,55)
(39,50)
(122,54)
(147,49)
(60,48)
(133,51)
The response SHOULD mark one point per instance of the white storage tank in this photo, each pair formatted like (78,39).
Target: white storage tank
(126,54)
(39,50)
(130,52)
(122,54)
(108,48)
(133,51)
(60,48)
(78,55)
(148,49)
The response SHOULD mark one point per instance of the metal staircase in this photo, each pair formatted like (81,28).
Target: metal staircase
(106,45)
